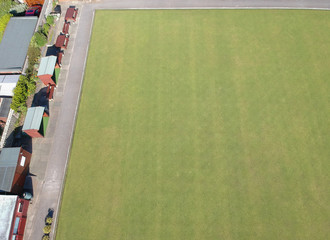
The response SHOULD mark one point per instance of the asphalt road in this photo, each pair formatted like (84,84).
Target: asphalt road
(48,186)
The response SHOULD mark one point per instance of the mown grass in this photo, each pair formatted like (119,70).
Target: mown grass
(202,124)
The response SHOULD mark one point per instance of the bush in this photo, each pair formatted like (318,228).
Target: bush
(49,220)
(18,103)
(33,56)
(45,29)
(18,10)
(47,229)
(39,39)
(5,6)
(31,86)
(50,20)
(4,21)
(45,237)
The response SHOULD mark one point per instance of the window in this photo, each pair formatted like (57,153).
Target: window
(22,161)
(16,225)
(20,207)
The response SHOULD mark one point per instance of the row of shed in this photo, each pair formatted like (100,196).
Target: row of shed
(15,161)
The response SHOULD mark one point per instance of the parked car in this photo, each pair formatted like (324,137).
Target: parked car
(33,10)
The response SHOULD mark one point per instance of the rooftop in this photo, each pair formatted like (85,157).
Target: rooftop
(8,163)
(15,43)
(33,118)
(47,65)
(7,84)
(7,208)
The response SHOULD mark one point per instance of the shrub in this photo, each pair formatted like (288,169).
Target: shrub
(39,39)
(49,220)
(50,20)
(18,10)
(45,237)
(45,29)
(31,86)
(47,229)
(4,21)
(18,103)
(33,55)
(5,6)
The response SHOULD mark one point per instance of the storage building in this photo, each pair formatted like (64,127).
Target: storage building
(36,122)
(13,217)
(14,166)
(46,72)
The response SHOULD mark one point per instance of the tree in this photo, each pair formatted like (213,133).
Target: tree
(49,220)
(39,39)
(45,237)
(50,20)
(47,229)
(20,94)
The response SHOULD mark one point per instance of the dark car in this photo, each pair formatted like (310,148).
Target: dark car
(33,11)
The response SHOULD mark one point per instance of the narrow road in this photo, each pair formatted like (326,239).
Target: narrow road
(53,151)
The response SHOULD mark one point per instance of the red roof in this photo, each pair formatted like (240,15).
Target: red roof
(65,29)
(71,14)
(62,41)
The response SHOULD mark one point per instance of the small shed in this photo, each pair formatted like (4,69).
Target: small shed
(62,42)
(36,122)
(71,14)
(46,70)
(14,166)
(66,27)
(7,85)
(13,217)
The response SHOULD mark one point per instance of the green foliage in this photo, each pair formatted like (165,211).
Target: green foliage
(39,39)
(46,28)
(45,237)
(49,220)
(18,10)
(50,20)
(47,229)
(33,56)
(25,87)
(4,21)
(31,85)
(20,94)
(5,6)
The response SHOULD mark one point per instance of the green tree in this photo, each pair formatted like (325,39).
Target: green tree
(39,39)
(49,220)
(47,229)
(50,20)
(3,22)
(5,6)
(18,103)
(45,237)
(45,29)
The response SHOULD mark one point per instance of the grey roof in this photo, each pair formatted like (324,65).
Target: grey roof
(7,208)
(5,107)
(9,78)
(8,163)
(15,43)
(7,84)
(47,65)
(33,118)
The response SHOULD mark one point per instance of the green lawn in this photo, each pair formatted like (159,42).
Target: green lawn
(202,124)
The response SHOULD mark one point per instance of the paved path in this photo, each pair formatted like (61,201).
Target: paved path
(50,155)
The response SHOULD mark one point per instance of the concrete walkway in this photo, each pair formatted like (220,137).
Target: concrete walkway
(50,155)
